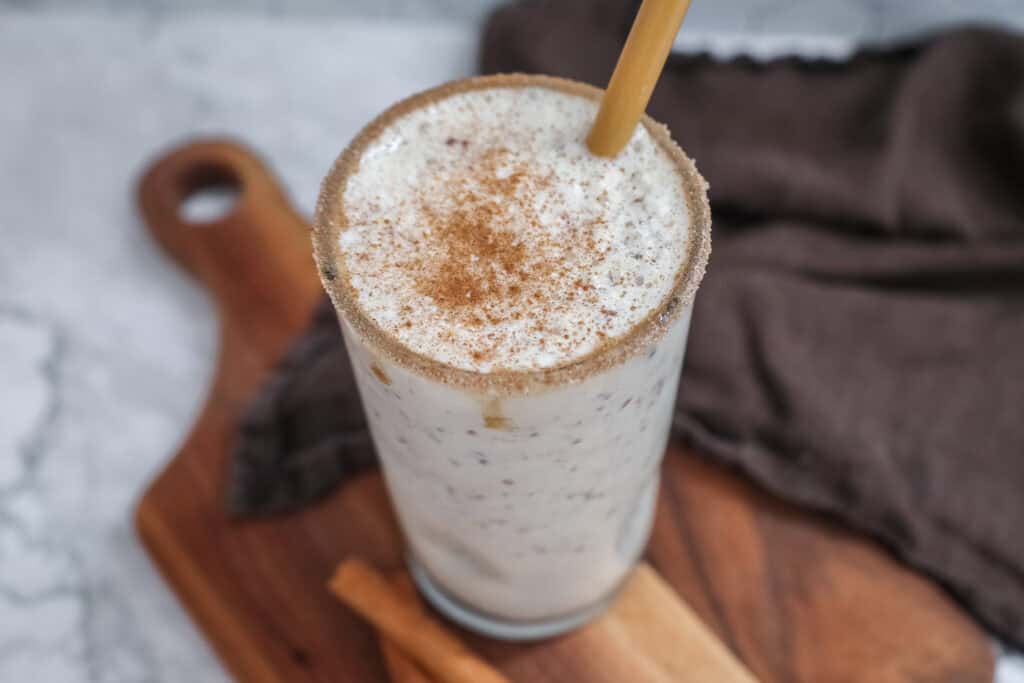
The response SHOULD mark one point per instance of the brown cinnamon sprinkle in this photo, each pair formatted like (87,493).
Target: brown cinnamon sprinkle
(379,374)
(477,256)
(475,264)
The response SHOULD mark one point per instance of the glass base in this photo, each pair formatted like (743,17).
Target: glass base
(495,627)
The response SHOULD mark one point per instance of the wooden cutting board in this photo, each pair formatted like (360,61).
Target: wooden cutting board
(793,595)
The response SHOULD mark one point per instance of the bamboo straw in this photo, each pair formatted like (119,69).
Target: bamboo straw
(640,63)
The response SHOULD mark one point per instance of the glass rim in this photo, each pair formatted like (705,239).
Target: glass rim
(329,221)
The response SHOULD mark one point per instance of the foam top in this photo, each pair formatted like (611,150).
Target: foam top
(480,232)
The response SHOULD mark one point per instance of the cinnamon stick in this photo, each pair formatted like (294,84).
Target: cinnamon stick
(423,638)
(400,668)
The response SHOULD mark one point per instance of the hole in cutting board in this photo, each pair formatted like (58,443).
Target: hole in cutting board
(211,192)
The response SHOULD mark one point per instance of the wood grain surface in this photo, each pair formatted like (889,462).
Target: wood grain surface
(793,595)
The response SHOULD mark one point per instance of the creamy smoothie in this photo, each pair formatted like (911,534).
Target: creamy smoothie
(516,312)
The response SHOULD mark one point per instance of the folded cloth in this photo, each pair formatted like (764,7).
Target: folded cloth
(305,431)
(857,345)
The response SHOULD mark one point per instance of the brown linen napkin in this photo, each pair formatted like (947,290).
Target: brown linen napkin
(305,431)
(858,342)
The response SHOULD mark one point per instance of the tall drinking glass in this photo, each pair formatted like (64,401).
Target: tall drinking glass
(516,313)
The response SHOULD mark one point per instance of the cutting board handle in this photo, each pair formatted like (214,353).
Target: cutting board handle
(238,255)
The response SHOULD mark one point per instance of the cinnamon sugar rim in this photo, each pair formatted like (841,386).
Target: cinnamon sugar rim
(329,220)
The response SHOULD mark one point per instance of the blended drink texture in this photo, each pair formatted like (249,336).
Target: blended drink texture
(516,312)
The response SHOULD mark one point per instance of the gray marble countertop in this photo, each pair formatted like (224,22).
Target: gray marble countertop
(106,347)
